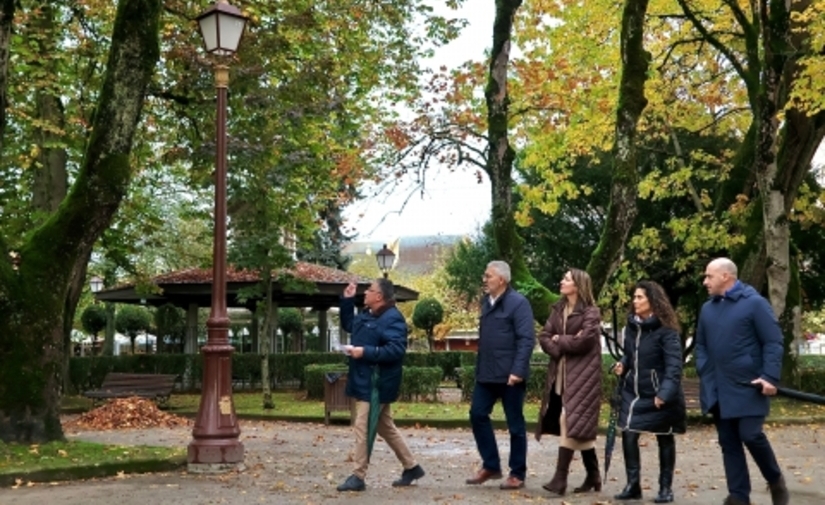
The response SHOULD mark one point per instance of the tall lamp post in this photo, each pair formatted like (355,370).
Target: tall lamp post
(215,446)
(385,258)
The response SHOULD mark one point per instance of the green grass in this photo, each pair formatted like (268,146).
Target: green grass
(293,404)
(19,459)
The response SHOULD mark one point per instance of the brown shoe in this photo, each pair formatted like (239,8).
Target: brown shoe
(512,483)
(483,476)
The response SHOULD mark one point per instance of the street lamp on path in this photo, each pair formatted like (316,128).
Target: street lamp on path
(215,446)
(385,258)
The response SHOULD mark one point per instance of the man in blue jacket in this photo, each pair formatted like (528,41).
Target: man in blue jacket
(506,336)
(379,339)
(739,361)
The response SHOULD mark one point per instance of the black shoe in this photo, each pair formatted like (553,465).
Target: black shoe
(630,492)
(408,476)
(352,483)
(665,496)
(732,500)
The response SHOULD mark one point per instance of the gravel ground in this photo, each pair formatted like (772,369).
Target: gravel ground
(298,463)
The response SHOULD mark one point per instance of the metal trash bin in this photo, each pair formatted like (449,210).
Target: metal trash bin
(335,395)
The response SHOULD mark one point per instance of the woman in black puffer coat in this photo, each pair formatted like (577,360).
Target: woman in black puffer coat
(652,397)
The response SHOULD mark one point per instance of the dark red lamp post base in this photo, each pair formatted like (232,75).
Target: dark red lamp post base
(215,446)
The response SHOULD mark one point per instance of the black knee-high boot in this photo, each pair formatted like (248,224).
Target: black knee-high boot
(667,463)
(633,467)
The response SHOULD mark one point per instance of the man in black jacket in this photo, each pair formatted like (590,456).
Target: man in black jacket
(506,337)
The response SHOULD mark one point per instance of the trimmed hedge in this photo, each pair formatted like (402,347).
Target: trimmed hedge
(420,383)
(538,378)
(417,383)
(87,372)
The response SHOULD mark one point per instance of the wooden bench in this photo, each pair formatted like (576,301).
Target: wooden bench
(691,388)
(157,387)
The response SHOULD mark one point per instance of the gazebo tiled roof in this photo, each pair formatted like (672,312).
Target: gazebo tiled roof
(194,285)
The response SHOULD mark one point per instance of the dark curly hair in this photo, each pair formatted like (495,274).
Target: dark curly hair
(659,303)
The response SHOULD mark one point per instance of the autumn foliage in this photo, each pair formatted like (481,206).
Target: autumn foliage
(127,413)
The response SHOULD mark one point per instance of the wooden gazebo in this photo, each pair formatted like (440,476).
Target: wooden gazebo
(304,285)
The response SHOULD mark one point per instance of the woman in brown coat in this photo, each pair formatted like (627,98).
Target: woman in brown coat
(572,394)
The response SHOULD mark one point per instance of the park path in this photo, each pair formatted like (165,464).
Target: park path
(301,463)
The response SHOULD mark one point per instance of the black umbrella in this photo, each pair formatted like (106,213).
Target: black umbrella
(610,438)
(791,393)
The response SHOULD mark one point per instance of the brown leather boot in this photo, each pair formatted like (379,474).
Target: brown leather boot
(594,479)
(558,484)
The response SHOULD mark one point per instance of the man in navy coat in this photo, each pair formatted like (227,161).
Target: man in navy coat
(379,342)
(739,361)
(506,337)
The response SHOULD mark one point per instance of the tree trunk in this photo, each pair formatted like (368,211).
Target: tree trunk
(44,274)
(781,159)
(774,21)
(7,10)
(622,210)
(270,322)
(50,176)
(499,165)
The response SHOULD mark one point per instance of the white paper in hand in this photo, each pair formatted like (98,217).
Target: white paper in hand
(346,349)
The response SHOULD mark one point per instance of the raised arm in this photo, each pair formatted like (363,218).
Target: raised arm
(347,313)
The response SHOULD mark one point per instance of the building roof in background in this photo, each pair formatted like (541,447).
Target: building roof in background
(417,255)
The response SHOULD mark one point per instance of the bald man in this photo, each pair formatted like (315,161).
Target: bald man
(739,361)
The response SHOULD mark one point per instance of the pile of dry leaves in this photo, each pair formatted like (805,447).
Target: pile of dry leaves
(123,413)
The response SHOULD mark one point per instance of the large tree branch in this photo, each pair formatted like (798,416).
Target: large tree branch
(63,244)
(741,18)
(751,80)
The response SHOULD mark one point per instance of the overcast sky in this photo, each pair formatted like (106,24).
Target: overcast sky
(452,203)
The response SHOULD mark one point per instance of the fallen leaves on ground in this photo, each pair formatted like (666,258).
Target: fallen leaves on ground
(124,413)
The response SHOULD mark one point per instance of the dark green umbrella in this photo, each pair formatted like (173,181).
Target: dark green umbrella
(610,438)
(375,413)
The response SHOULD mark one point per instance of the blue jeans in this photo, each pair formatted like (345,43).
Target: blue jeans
(747,431)
(512,400)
